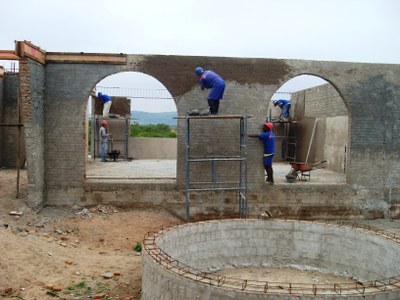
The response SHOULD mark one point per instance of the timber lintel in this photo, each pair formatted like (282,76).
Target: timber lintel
(27,49)
(86,58)
(8,55)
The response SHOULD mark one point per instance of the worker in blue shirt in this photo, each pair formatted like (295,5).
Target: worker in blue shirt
(284,105)
(107,101)
(268,138)
(211,80)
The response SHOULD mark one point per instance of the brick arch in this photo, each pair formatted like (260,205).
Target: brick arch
(58,98)
(326,104)
(328,80)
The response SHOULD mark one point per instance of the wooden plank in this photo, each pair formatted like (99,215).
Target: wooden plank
(8,55)
(86,58)
(27,49)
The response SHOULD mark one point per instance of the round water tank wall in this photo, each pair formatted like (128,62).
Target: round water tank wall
(183,259)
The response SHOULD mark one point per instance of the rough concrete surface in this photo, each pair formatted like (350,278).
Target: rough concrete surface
(166,169)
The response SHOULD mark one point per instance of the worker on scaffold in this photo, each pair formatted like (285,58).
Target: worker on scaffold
(284,105)
(107,101)
(211,80)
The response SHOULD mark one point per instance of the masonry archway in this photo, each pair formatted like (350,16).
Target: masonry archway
(140,103)
(318,127)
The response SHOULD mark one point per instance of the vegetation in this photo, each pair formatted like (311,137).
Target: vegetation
(151,130)
(138,247)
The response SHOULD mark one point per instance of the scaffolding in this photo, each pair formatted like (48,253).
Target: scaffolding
(288,139)
(213,184)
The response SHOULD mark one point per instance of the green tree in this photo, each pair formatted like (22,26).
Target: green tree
(152,130)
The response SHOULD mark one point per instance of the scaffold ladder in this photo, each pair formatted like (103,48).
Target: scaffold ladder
(213,184)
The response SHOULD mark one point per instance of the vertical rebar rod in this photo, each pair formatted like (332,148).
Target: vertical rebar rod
(18,139)
(187,170)
(245,162)
(127,125)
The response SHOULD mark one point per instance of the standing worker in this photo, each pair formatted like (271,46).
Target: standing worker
(268,138)
(211,80)
(104,135)
(106,103)
(284,105)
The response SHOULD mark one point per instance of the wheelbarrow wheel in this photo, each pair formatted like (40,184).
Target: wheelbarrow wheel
(291,177)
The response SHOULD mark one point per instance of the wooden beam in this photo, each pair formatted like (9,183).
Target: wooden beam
(86,58)
(27,49)
(1,71)
(8,55)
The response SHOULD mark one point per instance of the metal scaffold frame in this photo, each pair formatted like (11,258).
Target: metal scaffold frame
(214,185)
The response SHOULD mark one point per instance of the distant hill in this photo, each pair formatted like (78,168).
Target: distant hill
(144,118)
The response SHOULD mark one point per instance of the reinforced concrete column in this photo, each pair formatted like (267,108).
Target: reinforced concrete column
(31,90)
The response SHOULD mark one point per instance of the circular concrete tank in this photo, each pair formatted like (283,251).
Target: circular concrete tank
(180,262)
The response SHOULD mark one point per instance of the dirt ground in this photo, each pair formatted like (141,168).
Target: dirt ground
(69,254)
(88,253)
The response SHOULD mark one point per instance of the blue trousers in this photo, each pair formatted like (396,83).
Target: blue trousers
(103,151)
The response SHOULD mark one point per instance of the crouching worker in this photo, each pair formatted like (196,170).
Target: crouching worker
(284,105)
(107,101)
(268,138)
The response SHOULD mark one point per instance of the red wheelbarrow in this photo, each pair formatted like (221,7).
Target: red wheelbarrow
(302,171)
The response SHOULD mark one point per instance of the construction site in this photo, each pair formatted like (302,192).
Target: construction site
(207,223)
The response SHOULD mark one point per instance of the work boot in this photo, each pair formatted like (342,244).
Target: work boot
(270,178)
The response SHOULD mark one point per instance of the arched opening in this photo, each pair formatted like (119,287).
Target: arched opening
(143,129)
(311,141)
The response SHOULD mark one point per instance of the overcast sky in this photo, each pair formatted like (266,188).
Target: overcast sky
(330,30)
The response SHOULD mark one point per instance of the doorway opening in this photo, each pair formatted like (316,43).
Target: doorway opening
(141,123)
(312,138)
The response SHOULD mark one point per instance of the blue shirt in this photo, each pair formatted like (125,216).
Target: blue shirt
(281,102)
(210,79)
(103,97)
(268,138)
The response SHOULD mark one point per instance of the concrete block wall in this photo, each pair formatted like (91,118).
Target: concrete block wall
(368,90)
(68,87)
(9,115)
(152,148)
(283,201)
(324,102)
(374,125)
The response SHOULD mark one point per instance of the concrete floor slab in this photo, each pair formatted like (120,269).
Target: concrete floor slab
(166,169)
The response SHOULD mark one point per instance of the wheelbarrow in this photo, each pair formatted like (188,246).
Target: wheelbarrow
(302,171)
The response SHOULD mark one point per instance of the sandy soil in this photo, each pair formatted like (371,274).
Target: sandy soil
(67,254)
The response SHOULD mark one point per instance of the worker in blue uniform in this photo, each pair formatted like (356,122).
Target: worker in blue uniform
(268,138)
(284,105)
(107,101)
(211,80)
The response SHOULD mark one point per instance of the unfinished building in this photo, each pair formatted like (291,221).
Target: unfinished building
(53,89)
